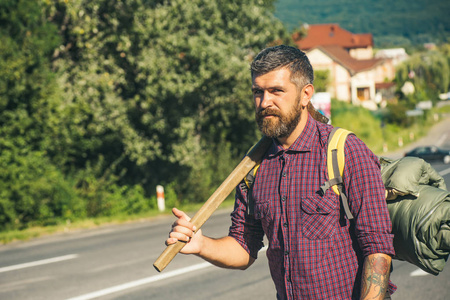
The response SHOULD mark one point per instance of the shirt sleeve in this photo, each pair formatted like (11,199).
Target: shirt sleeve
(245,229)
(366,194)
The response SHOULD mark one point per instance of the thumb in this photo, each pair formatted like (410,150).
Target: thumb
(180,214)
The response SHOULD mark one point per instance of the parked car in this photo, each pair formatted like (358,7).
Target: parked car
(430,153)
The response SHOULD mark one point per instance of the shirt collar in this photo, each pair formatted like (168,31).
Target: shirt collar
(302,144)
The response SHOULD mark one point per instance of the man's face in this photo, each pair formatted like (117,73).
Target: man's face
(277,103)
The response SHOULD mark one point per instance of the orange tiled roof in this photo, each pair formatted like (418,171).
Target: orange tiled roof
(332,34)
(384,85)
(342,57)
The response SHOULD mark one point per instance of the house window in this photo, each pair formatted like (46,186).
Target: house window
(363,93)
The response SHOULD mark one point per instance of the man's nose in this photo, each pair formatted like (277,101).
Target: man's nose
(265,100)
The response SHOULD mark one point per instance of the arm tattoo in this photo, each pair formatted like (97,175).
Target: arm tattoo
(375,279)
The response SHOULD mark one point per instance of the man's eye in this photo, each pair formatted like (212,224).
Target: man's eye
(257,92)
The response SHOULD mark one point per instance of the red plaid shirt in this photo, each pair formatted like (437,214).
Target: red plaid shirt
(311,253)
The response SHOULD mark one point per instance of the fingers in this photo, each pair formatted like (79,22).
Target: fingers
(181,233)
(180,214)
(182,229)
(183,220)
(171,241)
(183,223)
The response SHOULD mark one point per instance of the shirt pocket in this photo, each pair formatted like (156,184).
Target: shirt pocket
(319,217)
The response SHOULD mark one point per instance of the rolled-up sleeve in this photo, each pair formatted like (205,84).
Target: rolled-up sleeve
(366,193)
(245,229)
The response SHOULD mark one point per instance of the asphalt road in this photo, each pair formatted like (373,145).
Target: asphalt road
(115,262)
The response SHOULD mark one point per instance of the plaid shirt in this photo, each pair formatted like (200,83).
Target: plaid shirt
(313,254)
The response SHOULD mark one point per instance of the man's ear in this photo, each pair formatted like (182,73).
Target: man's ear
(306,94)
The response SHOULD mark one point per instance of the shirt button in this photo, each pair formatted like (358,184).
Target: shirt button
(286,252)
(285,224)
(283,198)
(284,174)
(318,209)
(288,279)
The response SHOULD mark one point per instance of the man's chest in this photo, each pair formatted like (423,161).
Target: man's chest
(287,190)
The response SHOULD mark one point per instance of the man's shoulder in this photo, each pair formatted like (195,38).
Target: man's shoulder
(323,131)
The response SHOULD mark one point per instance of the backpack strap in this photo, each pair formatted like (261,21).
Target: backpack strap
(335,166)
(247,185)
(249,179)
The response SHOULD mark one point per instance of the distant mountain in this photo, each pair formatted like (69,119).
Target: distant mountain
(392,22)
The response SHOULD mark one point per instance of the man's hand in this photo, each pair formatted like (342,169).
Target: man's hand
(375,276)
(183,230)
(223,252)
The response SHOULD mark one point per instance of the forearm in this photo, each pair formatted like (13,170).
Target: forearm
(375,276)
(225,252)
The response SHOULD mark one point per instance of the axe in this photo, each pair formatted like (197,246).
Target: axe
(229,184)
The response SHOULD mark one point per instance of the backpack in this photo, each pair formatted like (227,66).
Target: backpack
(417,199)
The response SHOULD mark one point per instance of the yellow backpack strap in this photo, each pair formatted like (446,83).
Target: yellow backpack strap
(250,177)
(248,180)
(335,166)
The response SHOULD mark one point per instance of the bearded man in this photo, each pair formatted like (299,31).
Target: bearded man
(313,252)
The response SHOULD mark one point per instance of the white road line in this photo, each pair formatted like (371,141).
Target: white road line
(38,263)
(142,281)
(147,280)
(441,140)
(418,272)
(444,172)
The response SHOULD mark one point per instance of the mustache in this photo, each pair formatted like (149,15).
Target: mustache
(267,112)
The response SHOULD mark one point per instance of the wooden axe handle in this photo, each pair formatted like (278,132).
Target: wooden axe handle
(222,192)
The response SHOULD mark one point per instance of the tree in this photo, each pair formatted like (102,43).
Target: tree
(102,100)
(154,87)
(321,80)
(31,188)
(428,71)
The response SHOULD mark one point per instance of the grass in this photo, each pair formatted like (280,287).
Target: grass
(368,127)
(11,236)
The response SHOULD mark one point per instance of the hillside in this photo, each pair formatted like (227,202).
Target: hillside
(392,23)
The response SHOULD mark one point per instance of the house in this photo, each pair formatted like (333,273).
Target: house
(397,55)
(354,72)
(359,46)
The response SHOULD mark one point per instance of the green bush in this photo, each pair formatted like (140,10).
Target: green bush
(170,195)
(34,191)
(360,121)
(207,174)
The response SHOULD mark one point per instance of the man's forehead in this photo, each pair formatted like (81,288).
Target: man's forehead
(278,77)
(282,69)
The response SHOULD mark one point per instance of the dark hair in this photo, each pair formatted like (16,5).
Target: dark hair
(281,56)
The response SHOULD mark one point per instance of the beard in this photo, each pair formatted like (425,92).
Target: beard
(280,125)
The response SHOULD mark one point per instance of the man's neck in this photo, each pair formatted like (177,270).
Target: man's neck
(287,142)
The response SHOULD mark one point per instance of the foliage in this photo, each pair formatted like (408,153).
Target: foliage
(377,130)
(321,80)
(160,84)
(100,101)
(358,120)
(392,23)
(31,187)
(429,71)
(396,114)
(33,191)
